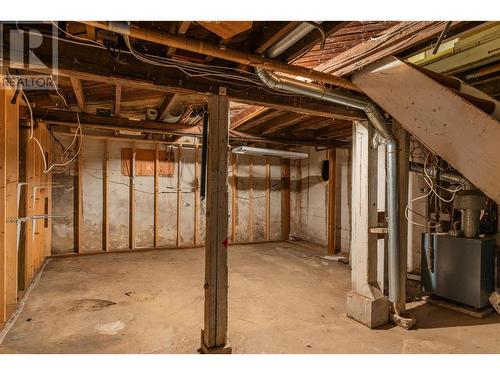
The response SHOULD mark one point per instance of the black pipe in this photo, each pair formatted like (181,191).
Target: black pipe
(204,153)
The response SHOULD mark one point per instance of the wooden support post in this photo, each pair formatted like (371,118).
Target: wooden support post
(196,195)
(365,303)
(79,203)
(132,200)
(214,334)
(250,198)
(48,195)
(156,181)
(9,175)
(268,201)
(403,181)
(179,195)
(234,197)
(285,200)
(105,195)
(332,162)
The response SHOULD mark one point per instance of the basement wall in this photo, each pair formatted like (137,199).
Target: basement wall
(253,182)
(309,198)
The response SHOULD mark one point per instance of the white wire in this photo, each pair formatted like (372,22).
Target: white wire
(32,137)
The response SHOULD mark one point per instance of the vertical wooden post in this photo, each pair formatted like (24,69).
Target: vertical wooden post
(268,200)
(285,200)
(234,195)
(9,167)
(179,195)
(250,198)
(156,181)
(196,195)
(48,176)
(132,199)
(214,334)
(79,192)
(332,162)
(403,181)
(105,195)
(365,302)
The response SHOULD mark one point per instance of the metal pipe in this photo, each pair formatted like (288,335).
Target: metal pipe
(289,40)
(373,114)
(451,177)
(240,57)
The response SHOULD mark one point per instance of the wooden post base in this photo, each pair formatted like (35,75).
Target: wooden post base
(223,349)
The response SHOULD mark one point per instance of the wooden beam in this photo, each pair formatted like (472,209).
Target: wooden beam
(197,46)
(214,333)
(80,95)
(183,28)
(118,99)
(94,64)
(165,106)
(281,123)
(226,29)
(91,32)
(285,199)
(332,163)
(247,115)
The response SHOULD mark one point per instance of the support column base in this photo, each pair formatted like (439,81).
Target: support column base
(223,349)
(369,312)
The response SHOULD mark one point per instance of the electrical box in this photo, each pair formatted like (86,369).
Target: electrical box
(461,269)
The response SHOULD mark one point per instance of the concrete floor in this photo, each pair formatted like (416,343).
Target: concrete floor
(283,298)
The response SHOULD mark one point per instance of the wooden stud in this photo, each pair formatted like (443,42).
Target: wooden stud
(105,202)
(79,203)
(268,201)
(332,163)
(250,198)
(179,195)
(156,183)
(285,200)
(132,200)
(196,195)
(9,166)
(214,334)
(234,197)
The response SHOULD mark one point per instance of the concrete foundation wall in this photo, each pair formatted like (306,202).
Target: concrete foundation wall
(179,189)
(309,198)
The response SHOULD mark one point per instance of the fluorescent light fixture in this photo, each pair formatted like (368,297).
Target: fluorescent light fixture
(269,152)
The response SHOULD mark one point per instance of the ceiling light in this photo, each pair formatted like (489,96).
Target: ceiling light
(269,152)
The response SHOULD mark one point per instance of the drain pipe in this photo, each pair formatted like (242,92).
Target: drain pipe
(373,114)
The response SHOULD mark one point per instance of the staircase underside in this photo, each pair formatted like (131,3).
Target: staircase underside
(466,137)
